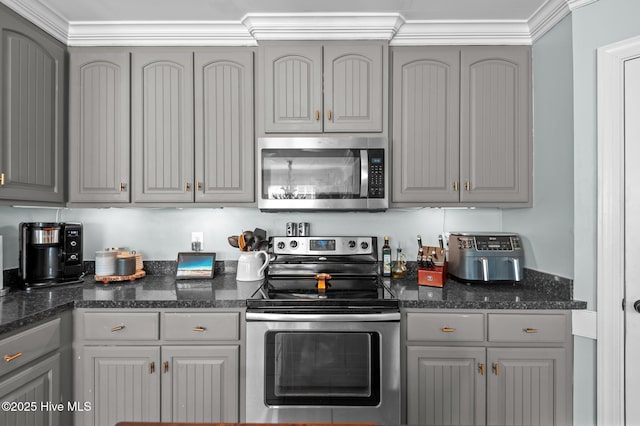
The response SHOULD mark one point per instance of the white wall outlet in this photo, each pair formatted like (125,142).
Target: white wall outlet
(197,241)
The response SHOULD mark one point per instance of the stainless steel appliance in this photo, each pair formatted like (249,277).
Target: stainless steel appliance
(323,335)
(323,173)
(486,257)
(50,253)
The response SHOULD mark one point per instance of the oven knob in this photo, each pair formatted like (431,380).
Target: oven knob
(351,244)
(293,244)
(281,245)
(364,245)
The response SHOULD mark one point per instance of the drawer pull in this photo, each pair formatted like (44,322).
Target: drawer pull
(530,330)
(165,366)
(152,367)
(496,369)
(9,358)
(481,369)
(448,329)
(117,328)
(200,329)
(317,115)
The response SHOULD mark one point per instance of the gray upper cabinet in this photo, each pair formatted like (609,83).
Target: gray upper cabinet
(426,105)
(99,145)
(462,126)
(162,125)
(224,134)
(495,125)
(313,87)
(32,114)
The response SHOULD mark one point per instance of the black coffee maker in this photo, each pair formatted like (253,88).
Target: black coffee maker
(50,253)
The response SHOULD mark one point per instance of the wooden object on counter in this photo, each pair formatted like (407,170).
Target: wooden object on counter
(106,279)
(433,277)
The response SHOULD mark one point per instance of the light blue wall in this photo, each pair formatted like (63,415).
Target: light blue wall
(548,226)
(160,233)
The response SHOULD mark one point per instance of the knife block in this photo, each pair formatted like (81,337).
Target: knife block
(433,277)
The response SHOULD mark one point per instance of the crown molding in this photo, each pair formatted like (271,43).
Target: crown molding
(415,33)
(254,27)
(325,26)
(159,33)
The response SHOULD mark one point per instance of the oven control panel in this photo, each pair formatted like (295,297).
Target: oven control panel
(324,245)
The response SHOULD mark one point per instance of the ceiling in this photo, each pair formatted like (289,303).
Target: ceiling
(244,22)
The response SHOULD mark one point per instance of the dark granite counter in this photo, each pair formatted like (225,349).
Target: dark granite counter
(159,289)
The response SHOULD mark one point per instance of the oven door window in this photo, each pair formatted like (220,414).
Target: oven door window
(322,368)
(308,174)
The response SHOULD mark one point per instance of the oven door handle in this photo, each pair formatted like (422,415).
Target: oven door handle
(376,317)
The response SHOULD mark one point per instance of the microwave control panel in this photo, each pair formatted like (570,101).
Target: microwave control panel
(376,173)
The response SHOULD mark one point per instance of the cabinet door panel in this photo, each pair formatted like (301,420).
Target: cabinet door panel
(445,386)
(99,126)
(162,125)
(224,126)
(528,387)
(38,383)
(292,76)
(353,88)
(200,384)
(31,121)
(122,383)
(425,125)
(495,124)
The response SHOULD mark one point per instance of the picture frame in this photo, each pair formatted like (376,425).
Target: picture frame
(195,265)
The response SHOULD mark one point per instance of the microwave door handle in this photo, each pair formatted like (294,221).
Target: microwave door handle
(364,173)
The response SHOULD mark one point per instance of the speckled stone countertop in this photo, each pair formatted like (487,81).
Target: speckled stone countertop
(159,289)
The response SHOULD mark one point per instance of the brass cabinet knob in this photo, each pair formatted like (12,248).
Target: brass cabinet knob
(117,328)
(329,115)
(448,329)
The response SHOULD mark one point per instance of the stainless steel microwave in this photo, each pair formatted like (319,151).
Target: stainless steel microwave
(322,173)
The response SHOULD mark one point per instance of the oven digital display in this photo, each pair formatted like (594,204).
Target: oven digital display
(322,245)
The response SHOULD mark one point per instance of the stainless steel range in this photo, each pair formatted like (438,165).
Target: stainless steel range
(323,335)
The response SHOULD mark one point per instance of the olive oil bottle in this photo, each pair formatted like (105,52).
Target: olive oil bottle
(386,258)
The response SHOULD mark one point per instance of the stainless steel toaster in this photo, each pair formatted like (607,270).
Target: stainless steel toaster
(485,257)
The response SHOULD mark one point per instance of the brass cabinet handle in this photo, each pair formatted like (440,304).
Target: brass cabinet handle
(455,186)
(9,358)
(496,369)
(187,186)
(152,367)
(329,114)
(165,366)
(199,186)
(199,329)
(467,185)
(530,330)
(117,328)
(481,369)
(317,115)
(1,179)
(123,186)
(448,329)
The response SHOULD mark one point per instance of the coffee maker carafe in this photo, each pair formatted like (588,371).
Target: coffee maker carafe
(50,253)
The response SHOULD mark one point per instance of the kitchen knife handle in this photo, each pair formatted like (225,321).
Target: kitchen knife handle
(9,358)
(448,329)
(117,328)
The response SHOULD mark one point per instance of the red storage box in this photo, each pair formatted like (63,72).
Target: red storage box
(433,277)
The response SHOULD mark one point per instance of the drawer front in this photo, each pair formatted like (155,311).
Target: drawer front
(201,326)
(24,347)
(121,326)
(527,328)
(445,327)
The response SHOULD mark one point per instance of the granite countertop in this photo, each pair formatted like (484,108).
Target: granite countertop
(159,289)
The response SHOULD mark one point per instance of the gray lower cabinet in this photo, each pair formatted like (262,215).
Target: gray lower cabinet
(32,112)
(315,87)
(99,143)
(462,125)
(513,369)
(147,365)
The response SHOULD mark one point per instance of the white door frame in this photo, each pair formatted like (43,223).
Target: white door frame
(610,278)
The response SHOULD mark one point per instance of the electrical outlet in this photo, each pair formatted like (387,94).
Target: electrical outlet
(197,241)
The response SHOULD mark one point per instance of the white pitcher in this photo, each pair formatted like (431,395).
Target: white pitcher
(250,265)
